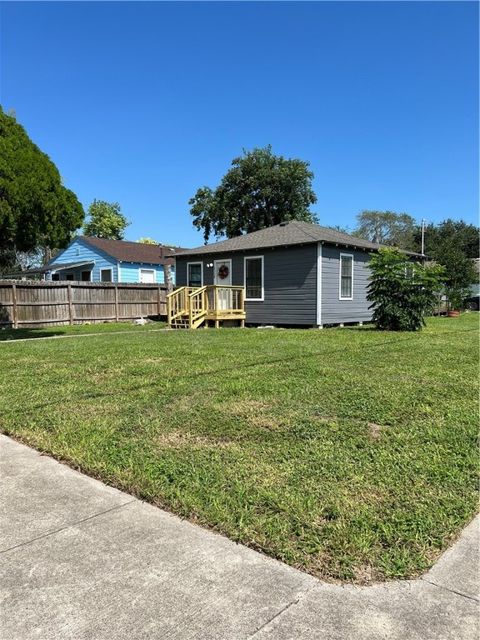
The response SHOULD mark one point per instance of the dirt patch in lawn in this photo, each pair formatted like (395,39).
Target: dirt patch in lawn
(185,439)
(375,430)
(364,574)
(244,408)
(255,413)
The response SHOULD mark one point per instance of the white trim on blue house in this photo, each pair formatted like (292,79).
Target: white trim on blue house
(110,269)
(149,271)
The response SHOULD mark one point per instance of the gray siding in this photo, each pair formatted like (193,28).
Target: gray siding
(335,310)
(290,287)
(290,283)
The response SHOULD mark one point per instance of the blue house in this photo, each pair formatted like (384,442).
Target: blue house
(91,259)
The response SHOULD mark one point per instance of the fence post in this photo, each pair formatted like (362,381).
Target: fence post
(116,303)
(70,307)
(159,301)
(14,298)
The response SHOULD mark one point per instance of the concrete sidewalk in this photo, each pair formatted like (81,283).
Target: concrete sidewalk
(83,561)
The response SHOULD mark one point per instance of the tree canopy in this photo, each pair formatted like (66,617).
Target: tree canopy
(105,220)
(35,208)
(146,240)
(259,190)
(386,227)
(464,236)
(453,244)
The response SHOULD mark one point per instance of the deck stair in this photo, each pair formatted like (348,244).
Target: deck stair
(180,323)
(192,307)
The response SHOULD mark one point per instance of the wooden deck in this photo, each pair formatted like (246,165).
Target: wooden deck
(192,307)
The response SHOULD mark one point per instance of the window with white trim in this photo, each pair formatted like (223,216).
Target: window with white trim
(346,276)
(254,278)
(194,274)
(147,275)
(106,275)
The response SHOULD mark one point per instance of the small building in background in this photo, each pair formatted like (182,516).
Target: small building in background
(92,259)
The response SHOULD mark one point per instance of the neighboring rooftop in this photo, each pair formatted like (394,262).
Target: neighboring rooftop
(280,235)
(126,251)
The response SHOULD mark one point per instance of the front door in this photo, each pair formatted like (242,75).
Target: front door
(223,277)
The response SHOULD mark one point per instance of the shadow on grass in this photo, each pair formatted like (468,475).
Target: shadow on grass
(7,332)
(11,335)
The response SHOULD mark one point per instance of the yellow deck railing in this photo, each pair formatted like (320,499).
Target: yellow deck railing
(197,307)
(191,306)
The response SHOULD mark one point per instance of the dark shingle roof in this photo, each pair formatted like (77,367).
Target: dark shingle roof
(126,251)
(283,234)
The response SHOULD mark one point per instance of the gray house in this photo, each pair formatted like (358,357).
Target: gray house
(294,273)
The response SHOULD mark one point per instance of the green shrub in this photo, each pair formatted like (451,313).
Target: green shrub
(402,292)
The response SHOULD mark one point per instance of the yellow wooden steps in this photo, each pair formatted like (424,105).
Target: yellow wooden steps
(192,307)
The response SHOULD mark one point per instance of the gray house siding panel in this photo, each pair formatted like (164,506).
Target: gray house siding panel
(181,271)
(290,287)
(335,310)
(290,283)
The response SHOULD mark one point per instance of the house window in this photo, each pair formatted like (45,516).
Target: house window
(147,275)
(55,276)
(346,276)
(195,274)
(86,276)
(69,276)
(106,275)
(254,278)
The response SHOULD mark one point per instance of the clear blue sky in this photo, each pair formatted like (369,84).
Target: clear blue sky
(142,103)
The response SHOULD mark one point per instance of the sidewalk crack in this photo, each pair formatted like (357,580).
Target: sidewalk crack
(67,526)
(301,595)
(458,593)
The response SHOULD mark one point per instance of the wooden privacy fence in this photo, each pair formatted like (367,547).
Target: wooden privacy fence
(35,304)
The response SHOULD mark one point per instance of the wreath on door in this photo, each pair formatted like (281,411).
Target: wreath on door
(223,272)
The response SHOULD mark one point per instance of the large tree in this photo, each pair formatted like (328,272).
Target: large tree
(260,190)
(35,208)
(386,227)
(463,236)
(105,220)
(453,244)
(12,261)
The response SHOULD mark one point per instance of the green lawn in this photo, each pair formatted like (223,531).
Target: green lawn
(76,329)
(349,453)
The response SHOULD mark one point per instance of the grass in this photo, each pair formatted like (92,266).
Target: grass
(348,453)
(76,329)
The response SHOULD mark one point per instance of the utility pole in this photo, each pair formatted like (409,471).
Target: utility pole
(423,236)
